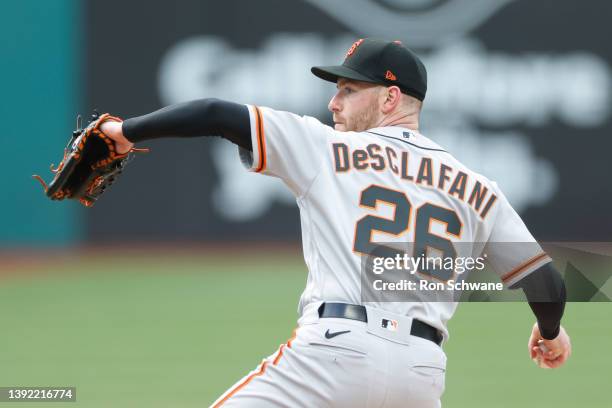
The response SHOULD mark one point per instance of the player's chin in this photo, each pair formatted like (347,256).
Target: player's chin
(340,127)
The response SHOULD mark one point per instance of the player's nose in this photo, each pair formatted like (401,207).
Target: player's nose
(334,104)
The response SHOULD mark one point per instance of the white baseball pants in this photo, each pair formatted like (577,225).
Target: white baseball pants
(355,365)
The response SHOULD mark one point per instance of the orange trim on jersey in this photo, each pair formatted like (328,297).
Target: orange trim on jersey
(261,140)
(279,355)
(262,369)
(521,268)
(282,346)
(293,336)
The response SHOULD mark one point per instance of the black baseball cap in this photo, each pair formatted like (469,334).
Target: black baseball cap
(380,62)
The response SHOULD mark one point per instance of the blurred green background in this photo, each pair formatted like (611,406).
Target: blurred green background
(177,330)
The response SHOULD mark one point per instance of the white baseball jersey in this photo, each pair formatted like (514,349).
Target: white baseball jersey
(388,184)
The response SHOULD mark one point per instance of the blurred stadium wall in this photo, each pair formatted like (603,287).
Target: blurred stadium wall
(40,70)
(519,90)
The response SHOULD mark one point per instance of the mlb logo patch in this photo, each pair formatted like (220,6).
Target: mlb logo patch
(389,324)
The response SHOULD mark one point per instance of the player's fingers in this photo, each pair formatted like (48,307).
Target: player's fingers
(548,364)
(554,363)
(565,356)
(550,361)
(553,354)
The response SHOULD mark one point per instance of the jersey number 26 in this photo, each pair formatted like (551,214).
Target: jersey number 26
(400,223)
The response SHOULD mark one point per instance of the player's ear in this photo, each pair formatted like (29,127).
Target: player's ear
(392,97)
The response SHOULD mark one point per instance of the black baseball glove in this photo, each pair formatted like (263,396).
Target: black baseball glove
(90,164)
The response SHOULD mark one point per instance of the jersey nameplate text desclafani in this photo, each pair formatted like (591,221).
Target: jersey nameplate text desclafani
(429,172)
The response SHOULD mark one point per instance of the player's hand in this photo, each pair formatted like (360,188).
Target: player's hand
(114,131)
(557,351)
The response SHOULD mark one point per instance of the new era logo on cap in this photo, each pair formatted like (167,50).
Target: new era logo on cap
(390,76)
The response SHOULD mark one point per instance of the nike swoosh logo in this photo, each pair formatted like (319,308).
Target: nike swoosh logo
(329,335)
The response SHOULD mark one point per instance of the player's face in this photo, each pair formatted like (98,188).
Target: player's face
(355,106)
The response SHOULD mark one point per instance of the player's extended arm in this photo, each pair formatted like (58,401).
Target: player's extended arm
(202,117)
(545,291)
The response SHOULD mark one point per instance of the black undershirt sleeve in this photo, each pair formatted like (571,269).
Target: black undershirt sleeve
(545,292)
(201,117)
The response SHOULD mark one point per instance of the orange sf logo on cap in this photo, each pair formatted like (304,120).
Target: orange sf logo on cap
(353,47)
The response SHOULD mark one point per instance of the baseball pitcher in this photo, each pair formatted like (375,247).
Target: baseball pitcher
(372,178)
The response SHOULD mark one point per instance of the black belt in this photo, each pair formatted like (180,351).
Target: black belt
(357,312)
